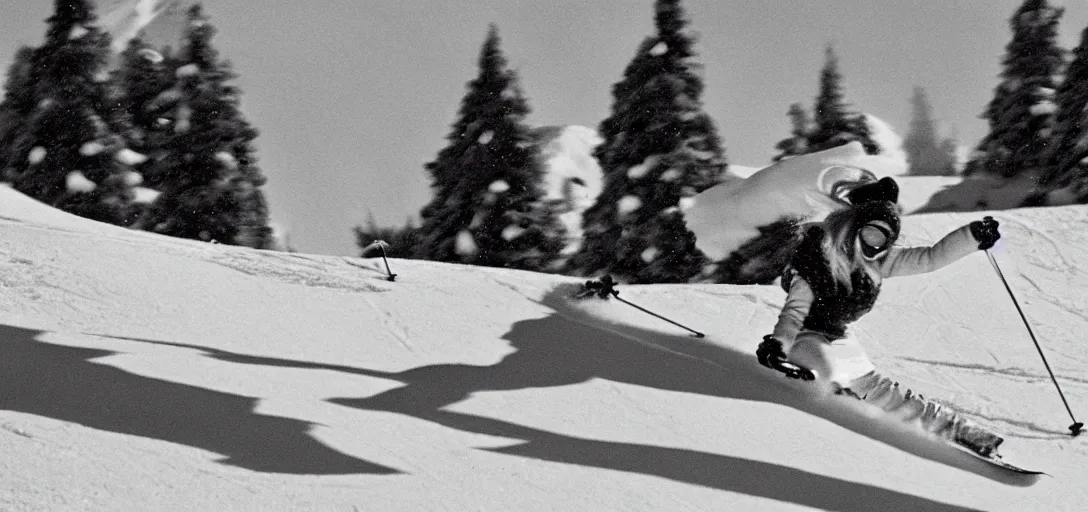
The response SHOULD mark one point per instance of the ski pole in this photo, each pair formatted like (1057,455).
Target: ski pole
(606,286)
(1077,426)
(392,276)
(380,244)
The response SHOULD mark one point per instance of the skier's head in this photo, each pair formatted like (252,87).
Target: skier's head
(858,236)
(884,189)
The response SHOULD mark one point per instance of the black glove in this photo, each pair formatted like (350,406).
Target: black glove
(770,354)
(985,232)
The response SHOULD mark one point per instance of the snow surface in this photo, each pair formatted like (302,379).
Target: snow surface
(892,156)
(142,372)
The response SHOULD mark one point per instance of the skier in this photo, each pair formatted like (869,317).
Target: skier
(834,278)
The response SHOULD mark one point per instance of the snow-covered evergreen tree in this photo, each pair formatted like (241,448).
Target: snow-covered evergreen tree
(1068,153)
(16,108)
(797,142)
(208,175)
(1021,112)
(400,242)
(761,259)
(659,149)
(488,206)
(926,155)
(833,123)
(140,80)
(70,154)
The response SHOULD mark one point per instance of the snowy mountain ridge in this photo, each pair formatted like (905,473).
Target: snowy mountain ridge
(144,372)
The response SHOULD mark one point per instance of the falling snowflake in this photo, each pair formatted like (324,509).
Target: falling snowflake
(151,55)
(133,178)
(498,187)
(511,232)
(686,203)
(187,70)
(227,160)
(91,148)
(465,245)
(77,32)
(659,49)
(628,204)
(649,255)
(670,175)
(1043,108)
(486,137)
(641,169)
(77,183)
(477,220)
(181,124)
(127,156)
(36,155)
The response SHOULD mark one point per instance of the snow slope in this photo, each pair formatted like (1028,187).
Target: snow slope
(146,373)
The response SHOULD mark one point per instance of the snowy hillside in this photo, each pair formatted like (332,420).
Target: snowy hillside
(146,373)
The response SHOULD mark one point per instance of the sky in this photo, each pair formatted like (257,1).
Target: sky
(352,98)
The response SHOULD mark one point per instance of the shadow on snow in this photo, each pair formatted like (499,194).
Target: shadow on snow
(554,351)
(62,383)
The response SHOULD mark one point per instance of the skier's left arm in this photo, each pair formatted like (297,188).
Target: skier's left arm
(906,261)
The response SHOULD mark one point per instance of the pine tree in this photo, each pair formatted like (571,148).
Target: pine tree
(1068,153)
(659,149)
(797,143)
(833,123)
(761,259)
(488,206)
(949,149)
(401,242)
(70,154)
(141,79)
(926,156)
(1020,114)
(16,109)
(209,175)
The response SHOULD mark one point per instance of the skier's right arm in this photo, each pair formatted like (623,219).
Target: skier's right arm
(798,302)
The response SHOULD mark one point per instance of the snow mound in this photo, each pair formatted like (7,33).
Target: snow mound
(725,216)
(169,374)
(892,157)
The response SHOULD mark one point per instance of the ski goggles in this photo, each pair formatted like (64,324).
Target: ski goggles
(875,238)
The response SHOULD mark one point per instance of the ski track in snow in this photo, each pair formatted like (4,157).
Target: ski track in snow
(1008,371)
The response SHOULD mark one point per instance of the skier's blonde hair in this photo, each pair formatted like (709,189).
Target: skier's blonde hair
(841,249)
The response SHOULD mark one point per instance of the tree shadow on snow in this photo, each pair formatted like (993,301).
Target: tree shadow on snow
(554,351)
(63,383)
